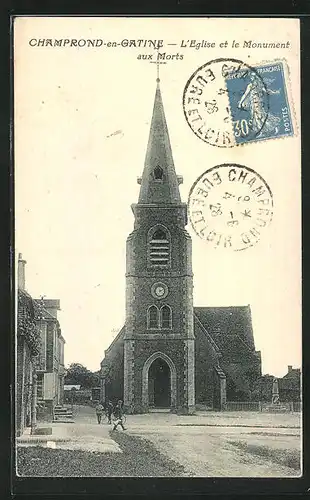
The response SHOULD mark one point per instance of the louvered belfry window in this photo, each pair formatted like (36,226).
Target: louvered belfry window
(159,248)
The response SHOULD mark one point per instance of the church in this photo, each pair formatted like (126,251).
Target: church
(170,354)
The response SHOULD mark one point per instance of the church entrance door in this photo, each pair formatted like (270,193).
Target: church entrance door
(159,384)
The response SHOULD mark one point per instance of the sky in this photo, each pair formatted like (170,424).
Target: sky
(82,118)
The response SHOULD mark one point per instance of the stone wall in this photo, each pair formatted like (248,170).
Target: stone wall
(19,396)
(113,374)
(23,385)
(50,346)
(206,358)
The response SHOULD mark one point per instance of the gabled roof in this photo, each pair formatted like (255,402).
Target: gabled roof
(52,303)
(119,338)
(292,380)
(227,321)
(26,299)
(200,328)
(46,315)
(45,304)
(22,293)
(294,373)
(40,310)
(232,346)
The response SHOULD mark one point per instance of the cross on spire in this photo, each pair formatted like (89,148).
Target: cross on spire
(164,189)
(158,62)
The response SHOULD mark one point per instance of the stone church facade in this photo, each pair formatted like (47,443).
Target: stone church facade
(170,354)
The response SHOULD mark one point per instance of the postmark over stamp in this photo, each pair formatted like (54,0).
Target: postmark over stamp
(246,97)
(207,104)
(230,206)
(226,102)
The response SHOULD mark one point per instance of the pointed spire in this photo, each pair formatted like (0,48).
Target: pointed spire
(159,182)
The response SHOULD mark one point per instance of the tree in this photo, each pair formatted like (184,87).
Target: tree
(262,390)
(78,374)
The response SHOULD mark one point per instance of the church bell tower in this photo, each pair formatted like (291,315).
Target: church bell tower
(159,341)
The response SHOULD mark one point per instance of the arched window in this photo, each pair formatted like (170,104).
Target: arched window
(165,317)
(158,173)
(153,317)
(159,247)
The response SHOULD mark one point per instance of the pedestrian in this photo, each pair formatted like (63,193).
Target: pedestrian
(99,411)
(118,414)
(109,411)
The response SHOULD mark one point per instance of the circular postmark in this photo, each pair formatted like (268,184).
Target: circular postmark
(229,206)
(226,101)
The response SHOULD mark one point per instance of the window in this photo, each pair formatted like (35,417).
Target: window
(42,356)
(40,387)
(158,173)
(166,317)
(159,247)
(153,317)
(61,352)
(159,319)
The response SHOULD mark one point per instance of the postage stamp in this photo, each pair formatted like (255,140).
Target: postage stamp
(247,101)
(226,102)
(230,206)
(207,103)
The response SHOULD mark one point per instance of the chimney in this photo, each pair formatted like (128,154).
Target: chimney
(289,368)
(21,272)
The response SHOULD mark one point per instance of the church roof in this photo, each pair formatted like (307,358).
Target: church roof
(225,322)
(159,182)
(199,328)
(119,338)
(231,346)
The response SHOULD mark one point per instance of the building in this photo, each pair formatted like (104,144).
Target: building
(290,385)
(170,354)
(40,352)
(50,366)
(27,341)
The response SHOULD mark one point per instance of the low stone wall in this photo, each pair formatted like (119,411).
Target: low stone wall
(294,406)
(242,406)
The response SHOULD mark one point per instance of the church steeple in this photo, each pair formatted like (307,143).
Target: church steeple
(159,182)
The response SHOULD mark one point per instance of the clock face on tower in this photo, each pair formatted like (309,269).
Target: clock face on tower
(159,290)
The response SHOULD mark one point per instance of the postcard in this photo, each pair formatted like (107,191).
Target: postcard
(157,172)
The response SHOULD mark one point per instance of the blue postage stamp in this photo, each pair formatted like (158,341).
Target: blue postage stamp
(259,104)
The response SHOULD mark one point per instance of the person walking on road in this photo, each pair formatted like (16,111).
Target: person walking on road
(109,411)
(118,414)
(99,412)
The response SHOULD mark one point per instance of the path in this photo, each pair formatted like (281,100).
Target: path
(221,444)
(84,434)
(208,444)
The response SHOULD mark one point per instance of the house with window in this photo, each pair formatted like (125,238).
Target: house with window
(27,342)
(50,366)
(40,351)
(170,354)
(290,385)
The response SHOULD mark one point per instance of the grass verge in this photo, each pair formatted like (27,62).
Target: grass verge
(139,458)
(287,457)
